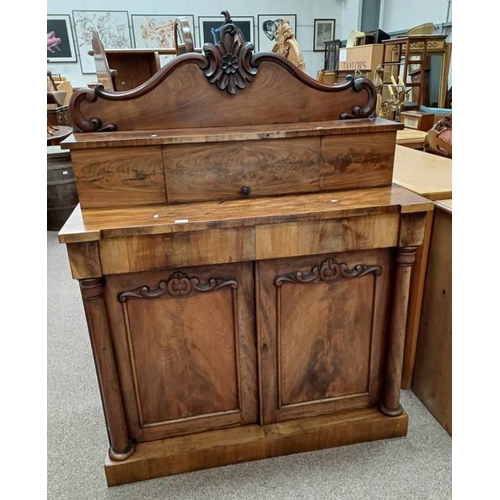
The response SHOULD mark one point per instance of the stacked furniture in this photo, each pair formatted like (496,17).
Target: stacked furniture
(244,261)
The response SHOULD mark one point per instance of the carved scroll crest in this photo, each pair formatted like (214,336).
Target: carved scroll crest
(178,285)
(229,64)
(329,270)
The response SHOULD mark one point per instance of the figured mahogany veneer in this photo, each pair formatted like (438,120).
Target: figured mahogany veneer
(244,261)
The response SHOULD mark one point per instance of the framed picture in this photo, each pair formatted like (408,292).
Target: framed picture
(60,43)
(113,28)
(324,31)
(267,24)
(210,28)
(152,31)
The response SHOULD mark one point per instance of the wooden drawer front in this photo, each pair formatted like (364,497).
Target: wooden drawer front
(221,171)
(273,167)
(341,302)
(186,347)
(116,177)
(357,161)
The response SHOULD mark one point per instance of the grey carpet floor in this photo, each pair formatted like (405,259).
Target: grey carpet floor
(418,466)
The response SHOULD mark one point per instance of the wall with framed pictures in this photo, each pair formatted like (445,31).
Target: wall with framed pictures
(127,24)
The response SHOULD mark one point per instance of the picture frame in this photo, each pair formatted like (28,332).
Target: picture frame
(208,27)
(60,41)
(266,28)
(113,28)
(324,31)
(156,31)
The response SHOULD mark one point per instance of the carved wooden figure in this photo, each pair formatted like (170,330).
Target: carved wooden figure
(287,46)
(244,261)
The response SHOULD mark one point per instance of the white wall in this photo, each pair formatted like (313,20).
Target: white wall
(399,15)
(396,15)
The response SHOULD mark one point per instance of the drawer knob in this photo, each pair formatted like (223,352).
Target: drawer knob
(245,190)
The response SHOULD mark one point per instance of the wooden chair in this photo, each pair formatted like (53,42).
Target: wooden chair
(182,36)
(287,46)
(105,75)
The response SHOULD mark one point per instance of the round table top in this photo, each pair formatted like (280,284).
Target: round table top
(57,134)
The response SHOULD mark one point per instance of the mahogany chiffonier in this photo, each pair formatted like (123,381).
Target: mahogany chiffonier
(244,261)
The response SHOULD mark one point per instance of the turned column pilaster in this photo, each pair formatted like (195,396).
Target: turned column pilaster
(404,259)
(92,291)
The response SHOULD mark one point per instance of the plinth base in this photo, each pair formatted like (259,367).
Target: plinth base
(252,442)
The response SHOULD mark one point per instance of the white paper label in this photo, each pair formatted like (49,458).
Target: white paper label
(343,55)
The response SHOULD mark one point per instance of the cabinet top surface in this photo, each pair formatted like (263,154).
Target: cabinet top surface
(95,224)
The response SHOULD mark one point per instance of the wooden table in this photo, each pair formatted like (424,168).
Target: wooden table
(429,176)
(411,138)
(58,134)
(432,380)
(423,173)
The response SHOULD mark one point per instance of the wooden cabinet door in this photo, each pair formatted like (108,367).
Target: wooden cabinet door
(322,324)
(185,348)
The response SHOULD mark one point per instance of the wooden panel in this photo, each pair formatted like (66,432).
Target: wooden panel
(178,378)
(319,365)
(253,442)
(316,237)
(221,171)
(341,302)
(432,380)
(357,161)
(122,255)
(415,303)
(132,68)
(186,348)
(84,260)
(412,229)
(119,177)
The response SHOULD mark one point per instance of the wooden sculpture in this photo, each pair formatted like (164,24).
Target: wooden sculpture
(244,261)
(287,46)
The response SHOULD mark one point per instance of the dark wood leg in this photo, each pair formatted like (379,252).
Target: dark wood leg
(390,400)
(92,290)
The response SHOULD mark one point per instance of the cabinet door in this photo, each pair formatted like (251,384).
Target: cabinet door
(185,348)
(322,323)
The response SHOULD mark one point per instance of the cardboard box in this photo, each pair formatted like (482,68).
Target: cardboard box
(362,58)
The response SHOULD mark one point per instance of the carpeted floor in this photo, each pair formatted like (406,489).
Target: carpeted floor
(418,466)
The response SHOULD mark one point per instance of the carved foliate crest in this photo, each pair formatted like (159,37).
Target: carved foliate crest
(329,270)
(178,285)
(229,65)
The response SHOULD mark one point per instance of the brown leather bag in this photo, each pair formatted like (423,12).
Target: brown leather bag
(438,139)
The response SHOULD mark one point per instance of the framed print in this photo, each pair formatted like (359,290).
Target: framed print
(60,43)
(210,28)
(153,31)
(113,28)
(267,24)
(324,31)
